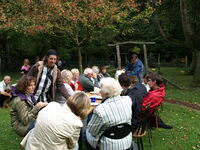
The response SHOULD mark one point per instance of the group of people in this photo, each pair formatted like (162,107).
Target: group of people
(49,106)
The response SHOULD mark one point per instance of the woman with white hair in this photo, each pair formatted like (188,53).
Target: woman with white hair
(58,126)
(75,84)
(113,110)
(66,76)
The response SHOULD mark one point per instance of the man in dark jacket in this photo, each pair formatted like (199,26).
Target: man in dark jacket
(136,91)
(48,78)
(86,80)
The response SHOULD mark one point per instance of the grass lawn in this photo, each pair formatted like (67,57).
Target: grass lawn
(184,136)
(178,76)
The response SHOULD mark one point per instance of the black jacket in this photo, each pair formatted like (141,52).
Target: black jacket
(136,93)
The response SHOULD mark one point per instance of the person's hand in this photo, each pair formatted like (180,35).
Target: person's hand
(41,104)
(10,95)
(94,75)
(76,86)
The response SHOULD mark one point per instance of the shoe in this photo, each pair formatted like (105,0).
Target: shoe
(164,126)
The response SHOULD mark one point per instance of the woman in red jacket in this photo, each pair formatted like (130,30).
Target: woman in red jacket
(75,84)
(155,97)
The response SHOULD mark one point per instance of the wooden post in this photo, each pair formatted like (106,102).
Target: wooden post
(145,58)
(118,57)
(186,61)
(80,60)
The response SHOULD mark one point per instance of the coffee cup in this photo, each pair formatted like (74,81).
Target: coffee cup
(93,99)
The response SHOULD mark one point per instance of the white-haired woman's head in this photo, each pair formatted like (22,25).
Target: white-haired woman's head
(95,69)
(75,73)
(66,75)
(109,87)
(88,72)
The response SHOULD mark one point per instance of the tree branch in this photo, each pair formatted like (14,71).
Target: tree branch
(169,39)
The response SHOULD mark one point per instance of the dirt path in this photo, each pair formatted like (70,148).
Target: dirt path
(183,103)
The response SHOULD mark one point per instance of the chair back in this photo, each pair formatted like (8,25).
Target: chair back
(116,132)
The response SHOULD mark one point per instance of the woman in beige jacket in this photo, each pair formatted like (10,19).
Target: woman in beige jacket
(58,126)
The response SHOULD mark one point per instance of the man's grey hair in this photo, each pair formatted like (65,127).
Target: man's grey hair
(87,71)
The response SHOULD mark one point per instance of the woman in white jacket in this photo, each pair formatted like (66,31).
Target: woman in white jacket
(58,126)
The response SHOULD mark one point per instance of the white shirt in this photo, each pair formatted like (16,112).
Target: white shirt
(3,86)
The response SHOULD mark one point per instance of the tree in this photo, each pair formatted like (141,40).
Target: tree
(81,20)
(190,19)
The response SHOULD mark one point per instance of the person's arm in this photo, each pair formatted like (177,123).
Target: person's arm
(80,88)
(136,70)
(89,85)
(96,83)
(60,86)
(33,71)
(73,139)
(93,129)
(69,89)
(128,67)
(5,93)
(23,114)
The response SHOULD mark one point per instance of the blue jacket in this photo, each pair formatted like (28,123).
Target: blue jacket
(136,69)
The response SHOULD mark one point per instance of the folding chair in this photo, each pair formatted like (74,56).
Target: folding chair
(141,130)
(116,132)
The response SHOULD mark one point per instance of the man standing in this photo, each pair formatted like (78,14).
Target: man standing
(5,91)
(136,68)
(48,78)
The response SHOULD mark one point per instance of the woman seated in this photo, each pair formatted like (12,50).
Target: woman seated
(24,109)
(113,110)
(66,76)
(103,73)
(58,126)
(154,98)
(75,84)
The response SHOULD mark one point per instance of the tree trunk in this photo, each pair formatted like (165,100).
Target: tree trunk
(8,58)
(193,63)
(118,57)
(80,60)
(196,77)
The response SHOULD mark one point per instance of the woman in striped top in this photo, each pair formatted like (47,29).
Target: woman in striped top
(114,109)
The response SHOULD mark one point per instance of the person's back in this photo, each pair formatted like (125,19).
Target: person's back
(136,93)
(86,83)
(113,111)
(57,124)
